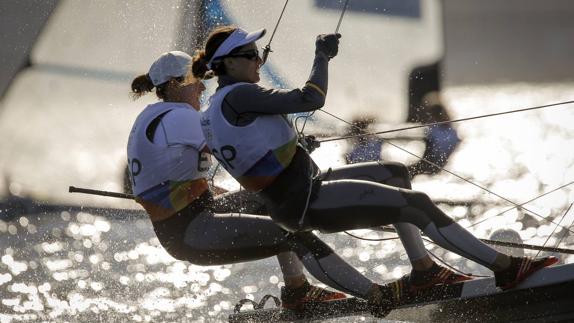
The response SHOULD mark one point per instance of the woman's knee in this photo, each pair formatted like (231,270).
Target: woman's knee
(397,169)
(304,243)
(423,203)
(399,177)
(417,198)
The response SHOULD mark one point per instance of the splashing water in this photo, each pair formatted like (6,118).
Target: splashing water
(76,265)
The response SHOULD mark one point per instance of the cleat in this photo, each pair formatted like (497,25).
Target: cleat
(300,298)
(436,275)
(521,268)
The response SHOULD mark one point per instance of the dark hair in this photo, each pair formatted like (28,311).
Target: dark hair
(142,85)
(199,66)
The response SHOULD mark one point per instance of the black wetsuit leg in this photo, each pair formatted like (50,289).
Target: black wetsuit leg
(393,174)
(390,173)
(351,204)
(242,201)
(214,239)
(249,202)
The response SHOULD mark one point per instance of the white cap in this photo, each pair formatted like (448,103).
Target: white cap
(169,65)
(238,38)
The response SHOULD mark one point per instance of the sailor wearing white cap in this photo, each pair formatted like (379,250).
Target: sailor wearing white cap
(169,65)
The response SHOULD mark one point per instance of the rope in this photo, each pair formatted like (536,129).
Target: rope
(305,118)
(488,241)
(309,114)
(451,267)
(520,205)
(442,122)
(456,175)
(550,235)
(432,254)
(475,184)
(341,17)
(267,48)
(563,235)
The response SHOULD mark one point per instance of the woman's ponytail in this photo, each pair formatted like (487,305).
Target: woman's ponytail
(141,85)
(199,65)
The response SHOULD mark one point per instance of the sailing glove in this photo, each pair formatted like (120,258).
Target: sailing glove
(327,44)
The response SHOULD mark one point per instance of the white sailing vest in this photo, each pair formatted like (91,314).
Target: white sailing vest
(254,153)
(151,164)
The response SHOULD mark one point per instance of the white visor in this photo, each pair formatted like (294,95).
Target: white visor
(238,38)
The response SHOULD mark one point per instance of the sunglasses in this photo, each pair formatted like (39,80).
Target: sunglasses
(250,54)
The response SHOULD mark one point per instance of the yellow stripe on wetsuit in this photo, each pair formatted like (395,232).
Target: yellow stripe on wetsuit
(316,87)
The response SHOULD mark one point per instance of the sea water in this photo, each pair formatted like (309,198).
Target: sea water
(71,266)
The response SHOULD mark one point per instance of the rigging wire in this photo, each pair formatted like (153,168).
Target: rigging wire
(475,184)
(442,122)
(488,241)
(300,134)
(454,174)
(563,235)
(431,253)
(73,189)
(520,205)
(492,242)
(452,267)
(341,17)
(267,48)
(460,177)
(550,235)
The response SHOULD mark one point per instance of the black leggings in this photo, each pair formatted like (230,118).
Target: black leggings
(346,204)
(354,204)
(370,205)
(225,236)
(217,239)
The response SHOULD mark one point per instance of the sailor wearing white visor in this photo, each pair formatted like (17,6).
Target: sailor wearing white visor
(238,38)
(247,132)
